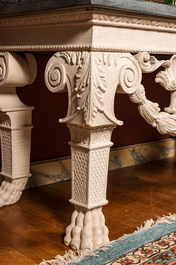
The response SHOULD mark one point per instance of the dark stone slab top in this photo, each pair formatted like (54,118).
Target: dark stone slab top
(11,7)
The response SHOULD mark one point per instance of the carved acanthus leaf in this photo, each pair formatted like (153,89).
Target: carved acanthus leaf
(82,87)
(86,83)
(90,87)
(167,77)
(71,58)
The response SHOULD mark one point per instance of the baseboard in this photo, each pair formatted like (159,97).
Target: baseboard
(56,170)
(141,153)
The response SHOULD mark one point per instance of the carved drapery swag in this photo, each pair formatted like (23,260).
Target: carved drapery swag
(163,121)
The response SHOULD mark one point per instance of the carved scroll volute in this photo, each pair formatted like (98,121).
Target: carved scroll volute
(17,69)
(55,74)
(84,77)
(3,67)
(91,79)
(63,74)
(129,74)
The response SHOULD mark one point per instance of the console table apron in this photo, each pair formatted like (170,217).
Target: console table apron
(97,48)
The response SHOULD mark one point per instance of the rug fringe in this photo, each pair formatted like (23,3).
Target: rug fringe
(69,257)
(75,256)
(160,220)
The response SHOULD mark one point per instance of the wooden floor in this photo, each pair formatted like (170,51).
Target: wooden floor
(33,228)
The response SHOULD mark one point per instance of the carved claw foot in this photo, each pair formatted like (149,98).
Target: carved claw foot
(11,190)
(87,229)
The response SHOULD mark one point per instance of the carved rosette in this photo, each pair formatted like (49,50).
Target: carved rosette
(15,125)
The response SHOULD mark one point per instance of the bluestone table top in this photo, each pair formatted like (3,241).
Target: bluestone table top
(11,7)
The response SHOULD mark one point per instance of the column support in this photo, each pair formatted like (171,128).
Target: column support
(90,155)
(91,79)
(16,70)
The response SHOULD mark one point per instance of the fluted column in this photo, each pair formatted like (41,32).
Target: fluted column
(91,79)
(15,124)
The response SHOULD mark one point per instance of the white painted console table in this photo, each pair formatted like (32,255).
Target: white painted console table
(100,48)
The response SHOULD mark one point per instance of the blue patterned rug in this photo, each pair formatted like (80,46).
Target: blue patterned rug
(154,245)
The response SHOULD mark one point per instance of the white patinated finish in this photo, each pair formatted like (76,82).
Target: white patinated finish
(92,80)
(15,124)
(92,63)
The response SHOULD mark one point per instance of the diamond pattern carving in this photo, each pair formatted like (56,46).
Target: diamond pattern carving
(97,186)
(20,152)
(6,149)
(79,175)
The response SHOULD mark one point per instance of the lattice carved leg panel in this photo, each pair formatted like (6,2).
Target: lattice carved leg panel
(91,79)
(15,125)
(90,156)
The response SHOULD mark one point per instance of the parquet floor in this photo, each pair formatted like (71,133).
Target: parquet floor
(33,228)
